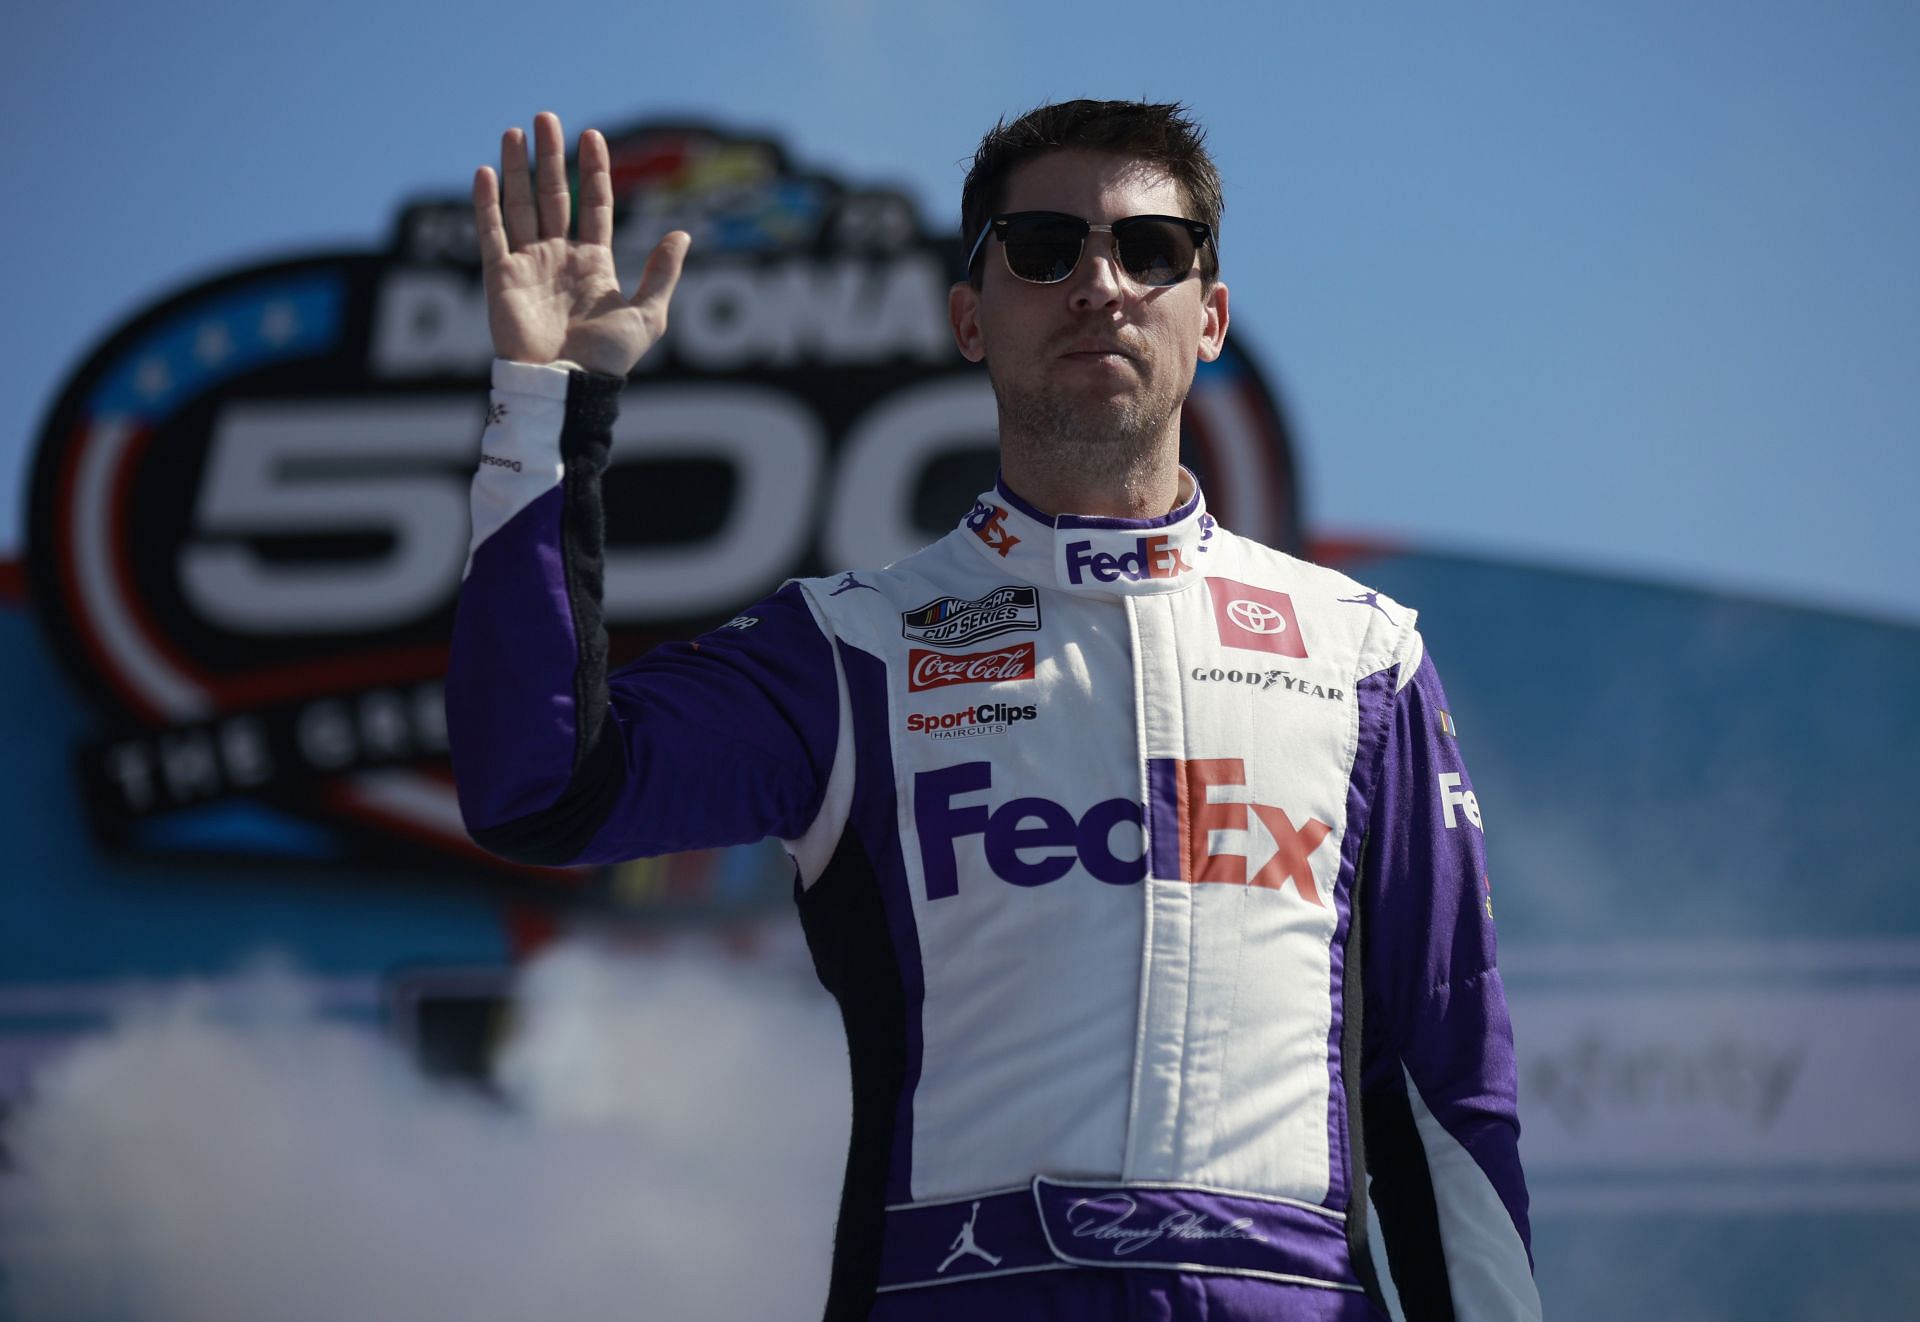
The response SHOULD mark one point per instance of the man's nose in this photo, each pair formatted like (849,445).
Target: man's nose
(1097,281)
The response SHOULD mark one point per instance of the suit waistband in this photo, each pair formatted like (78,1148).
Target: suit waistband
(1053,1224)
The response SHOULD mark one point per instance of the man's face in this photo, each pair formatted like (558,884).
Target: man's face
(1095,354)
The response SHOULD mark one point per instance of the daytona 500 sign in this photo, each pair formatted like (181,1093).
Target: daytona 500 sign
(248,509)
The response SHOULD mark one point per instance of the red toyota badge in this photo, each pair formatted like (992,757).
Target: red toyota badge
(1258,619)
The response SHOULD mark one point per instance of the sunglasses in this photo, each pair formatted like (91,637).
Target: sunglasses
(1043,247)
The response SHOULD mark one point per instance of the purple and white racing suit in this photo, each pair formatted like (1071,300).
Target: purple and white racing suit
(1140,858)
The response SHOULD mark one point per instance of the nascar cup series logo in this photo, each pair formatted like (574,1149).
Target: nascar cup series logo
(954,622)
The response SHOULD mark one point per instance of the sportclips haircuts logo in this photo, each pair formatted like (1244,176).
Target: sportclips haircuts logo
(249,506)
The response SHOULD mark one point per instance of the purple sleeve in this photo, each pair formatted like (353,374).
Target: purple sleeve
(729,738)
(724,740)
(1439,1101)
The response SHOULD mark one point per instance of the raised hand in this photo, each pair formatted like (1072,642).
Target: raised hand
(550,297)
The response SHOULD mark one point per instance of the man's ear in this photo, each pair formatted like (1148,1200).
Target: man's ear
(963,311)
(1213,331)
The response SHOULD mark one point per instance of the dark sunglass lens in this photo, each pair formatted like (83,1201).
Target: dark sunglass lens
(1155,252)
(1044,251)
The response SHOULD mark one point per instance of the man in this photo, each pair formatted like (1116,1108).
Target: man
(1140,857)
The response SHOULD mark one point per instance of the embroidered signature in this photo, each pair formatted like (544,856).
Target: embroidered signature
(1105,1219)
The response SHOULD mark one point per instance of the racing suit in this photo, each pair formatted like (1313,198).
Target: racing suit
(1140,858)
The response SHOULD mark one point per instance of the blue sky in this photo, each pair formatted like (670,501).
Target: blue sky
(1628,287)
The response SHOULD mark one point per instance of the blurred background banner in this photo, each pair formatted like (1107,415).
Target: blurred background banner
(247,521)
(1597,328)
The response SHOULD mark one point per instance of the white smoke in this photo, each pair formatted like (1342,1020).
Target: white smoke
(672,1147)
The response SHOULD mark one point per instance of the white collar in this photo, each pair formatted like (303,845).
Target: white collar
(1080,553)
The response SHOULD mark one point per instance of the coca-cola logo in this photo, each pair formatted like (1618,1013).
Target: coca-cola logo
(933,670)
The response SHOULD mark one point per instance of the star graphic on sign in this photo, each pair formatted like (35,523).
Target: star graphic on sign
(152,378)
(213,343)
(279,322)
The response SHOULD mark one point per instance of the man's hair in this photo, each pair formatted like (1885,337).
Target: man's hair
(1158,135)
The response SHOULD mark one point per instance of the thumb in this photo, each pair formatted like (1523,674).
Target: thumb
(662,273)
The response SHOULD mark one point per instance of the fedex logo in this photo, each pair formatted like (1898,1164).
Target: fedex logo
(1151,557)
(1452,796)
(1015,832)
(989,524)
(1198,797)
(1192,819)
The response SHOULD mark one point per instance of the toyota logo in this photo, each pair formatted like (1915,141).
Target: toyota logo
(1256,616)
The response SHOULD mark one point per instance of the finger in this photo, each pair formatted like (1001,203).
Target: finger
(486,218)
(550,175)
(596,190)
(657,282)
(521,229)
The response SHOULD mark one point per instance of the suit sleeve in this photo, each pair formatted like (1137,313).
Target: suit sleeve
(1441,1124)
(723,740)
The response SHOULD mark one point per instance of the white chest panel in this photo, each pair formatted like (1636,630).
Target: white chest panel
(1121,816)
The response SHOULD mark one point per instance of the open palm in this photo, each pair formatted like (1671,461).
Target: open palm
(553,298)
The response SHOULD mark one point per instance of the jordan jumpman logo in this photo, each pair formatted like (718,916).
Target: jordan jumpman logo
(1368,599)
(851,584)
(963,1243)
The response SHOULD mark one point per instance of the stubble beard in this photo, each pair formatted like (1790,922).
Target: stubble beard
(1088,444)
